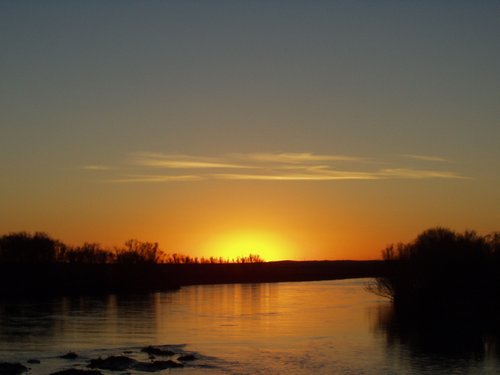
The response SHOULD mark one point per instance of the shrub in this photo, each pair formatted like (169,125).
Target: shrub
(440,267)
(137,252)
(88,253)
(23,247)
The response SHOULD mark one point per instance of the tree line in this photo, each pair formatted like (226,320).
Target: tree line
(40,248)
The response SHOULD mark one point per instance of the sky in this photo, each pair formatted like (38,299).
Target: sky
(290,129)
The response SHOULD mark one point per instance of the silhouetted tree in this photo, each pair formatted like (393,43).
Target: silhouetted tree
(88,253)
(23,247)
(137,252)
(440,266)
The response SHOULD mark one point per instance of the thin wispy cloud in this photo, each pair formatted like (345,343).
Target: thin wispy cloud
(279,166)
(155,179)
(96,168)
(184,164)
(418,174)
(425,157)
(334,175)
(297,158)
(181,162)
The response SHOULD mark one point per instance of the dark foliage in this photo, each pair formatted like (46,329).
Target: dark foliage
(137,252)
(23,247)
(442,268)
(88,253)
(39,248)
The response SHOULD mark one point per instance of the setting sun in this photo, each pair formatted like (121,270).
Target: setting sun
(268,246)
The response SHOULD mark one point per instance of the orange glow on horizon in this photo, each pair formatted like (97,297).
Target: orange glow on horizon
(268,246)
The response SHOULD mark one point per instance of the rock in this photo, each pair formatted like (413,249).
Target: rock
(153,350)
(187,357)
(113,363)
(74,371)
(156,365)
(7,368)
(69,355)
(34,361)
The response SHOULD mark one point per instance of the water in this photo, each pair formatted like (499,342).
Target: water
(327,327)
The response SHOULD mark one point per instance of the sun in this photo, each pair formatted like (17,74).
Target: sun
(242,243)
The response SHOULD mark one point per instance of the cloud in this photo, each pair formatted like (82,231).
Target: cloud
(415,173)
(332,175)
(184,164)
(96,168)
(426,157)
(278,166)
(335,175)
(155,179)
(296,158)
(175,161)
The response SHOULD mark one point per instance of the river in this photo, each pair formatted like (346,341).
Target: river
(325,327)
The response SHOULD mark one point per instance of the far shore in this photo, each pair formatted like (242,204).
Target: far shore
(77,279)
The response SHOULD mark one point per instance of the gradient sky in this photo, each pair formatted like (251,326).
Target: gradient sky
(292,129)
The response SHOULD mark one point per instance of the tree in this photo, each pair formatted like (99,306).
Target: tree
(439,266)
(88,253)
(22,247)
(137,252)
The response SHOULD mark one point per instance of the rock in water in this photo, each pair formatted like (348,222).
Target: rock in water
(74,371)
(153,350)
(69,355)
(156,365)
(186,357)
(7,368)
(113,363)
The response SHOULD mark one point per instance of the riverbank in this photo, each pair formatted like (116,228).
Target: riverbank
(71,279)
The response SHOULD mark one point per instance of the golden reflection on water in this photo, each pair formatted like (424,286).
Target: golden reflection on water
(211,317)
(323,327)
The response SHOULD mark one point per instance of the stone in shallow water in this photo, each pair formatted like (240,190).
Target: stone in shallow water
(156,365)
(7,368)
(33,361)
(113,363)
(187,357)
(69,355)
(74,371)
(153,350)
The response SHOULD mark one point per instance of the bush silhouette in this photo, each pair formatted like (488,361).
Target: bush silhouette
(23,247)
(442,267)
(137,252)
(88,253)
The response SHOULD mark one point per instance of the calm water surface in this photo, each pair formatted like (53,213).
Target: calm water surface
(328,327)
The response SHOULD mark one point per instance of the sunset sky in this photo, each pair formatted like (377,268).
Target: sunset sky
(291,129)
